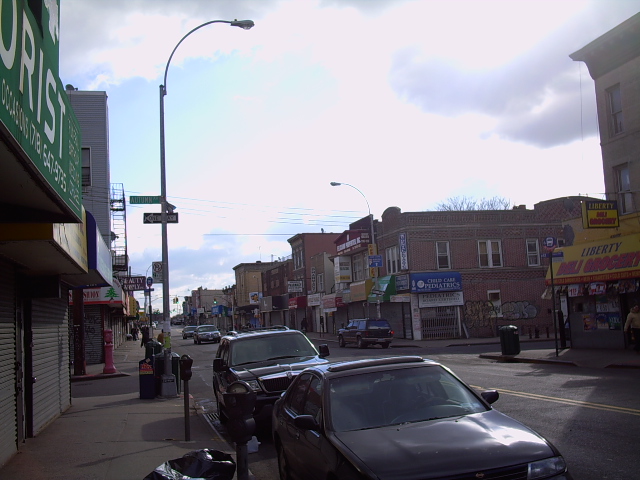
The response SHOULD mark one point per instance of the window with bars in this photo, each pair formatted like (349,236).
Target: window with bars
(392,255)
(615,110)
(442,252)
(490,253)
(533,252)
(358,266)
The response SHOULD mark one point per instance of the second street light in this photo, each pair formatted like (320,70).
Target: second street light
(169,387)
(373,250)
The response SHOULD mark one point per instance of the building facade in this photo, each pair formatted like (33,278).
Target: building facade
(599,276)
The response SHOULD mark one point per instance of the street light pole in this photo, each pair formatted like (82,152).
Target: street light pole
(169,387)
(373,237)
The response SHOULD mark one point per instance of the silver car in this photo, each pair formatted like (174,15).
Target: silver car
(206,333)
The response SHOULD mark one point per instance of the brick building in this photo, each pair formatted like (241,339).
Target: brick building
(452,274)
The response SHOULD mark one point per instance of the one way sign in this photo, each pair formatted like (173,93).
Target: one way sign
(157,218)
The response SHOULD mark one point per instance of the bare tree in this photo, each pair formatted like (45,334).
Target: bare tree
(459,204)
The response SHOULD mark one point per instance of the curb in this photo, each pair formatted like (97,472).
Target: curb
(98,376)
(514,359)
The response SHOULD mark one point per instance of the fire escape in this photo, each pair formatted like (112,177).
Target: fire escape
(119,230)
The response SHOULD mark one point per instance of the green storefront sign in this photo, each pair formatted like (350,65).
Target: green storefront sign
(33,104)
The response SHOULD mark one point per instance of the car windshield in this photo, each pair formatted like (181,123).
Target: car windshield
(271,347)
(398,396)
(207,328)
(188,329)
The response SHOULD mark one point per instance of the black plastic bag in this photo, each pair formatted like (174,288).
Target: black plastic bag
(202,464)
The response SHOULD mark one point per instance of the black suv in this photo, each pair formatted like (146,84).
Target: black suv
(267,359)
(366,331)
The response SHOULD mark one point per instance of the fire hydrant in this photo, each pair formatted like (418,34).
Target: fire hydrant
(108,352)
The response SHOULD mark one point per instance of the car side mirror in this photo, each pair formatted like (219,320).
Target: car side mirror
(306,422)
(490,396)
(218,365)
(323,350)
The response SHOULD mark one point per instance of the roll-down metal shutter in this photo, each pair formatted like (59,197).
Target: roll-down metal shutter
(51,390)
(8,407)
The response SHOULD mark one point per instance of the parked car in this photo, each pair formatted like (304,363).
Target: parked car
(366,331)
(401,418)
(268,360)
(187,332)
(206,333)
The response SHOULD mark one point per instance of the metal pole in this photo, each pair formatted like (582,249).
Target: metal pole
(169,387)
(553,302)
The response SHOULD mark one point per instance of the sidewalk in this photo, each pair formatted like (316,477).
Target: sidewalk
(109,433)
(529,353)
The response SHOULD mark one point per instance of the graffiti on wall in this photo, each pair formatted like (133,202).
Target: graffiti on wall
(521,310)
(484,314)
(480,314)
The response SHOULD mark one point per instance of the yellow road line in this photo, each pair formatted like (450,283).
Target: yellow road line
(566,401)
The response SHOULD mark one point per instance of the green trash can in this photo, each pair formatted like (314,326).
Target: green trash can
(509,340)
(158,368)
(151,348)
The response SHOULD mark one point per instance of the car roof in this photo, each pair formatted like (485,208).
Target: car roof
(334,369)
(269,331)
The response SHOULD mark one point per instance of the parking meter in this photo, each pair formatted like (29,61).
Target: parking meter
(186,363)
(239,401)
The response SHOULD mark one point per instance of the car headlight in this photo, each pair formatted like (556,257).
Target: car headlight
(255,386)
(546,468)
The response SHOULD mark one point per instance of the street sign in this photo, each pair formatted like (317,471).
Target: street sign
(375,261)
(156,268)
(552,254)
(149,281)
(133,283)
(157,218)
(144,200)
(550,242)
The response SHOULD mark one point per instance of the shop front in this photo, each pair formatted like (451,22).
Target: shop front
(436,303)
(599,282)
(297,311)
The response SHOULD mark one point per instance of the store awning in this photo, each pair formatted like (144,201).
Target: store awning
(606,260)
(386,288)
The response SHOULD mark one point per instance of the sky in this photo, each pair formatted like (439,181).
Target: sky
(410,102)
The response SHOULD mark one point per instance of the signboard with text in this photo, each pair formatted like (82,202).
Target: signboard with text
(35,108)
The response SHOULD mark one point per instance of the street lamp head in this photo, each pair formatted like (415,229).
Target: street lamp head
(244,24)
(335,184)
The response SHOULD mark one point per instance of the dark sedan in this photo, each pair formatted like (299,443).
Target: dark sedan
(206,333)
(187,332)
(402,418)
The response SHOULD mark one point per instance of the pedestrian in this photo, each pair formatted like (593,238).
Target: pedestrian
(161,338)
(145,336)
(633,325)
(303,325)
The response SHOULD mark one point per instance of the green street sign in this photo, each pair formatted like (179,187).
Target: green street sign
(145,200)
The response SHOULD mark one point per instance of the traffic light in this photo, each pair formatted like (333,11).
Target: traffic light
(215,301)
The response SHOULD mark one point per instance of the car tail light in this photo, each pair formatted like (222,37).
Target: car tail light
(391,332)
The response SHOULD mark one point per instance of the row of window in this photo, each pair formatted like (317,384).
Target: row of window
(489,255)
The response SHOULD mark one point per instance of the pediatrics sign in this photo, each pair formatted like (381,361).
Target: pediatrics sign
(33,104)
(430,282)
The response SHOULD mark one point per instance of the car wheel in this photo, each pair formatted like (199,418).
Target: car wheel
(283,464)
(385,344)
(360,343)
(341,343)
